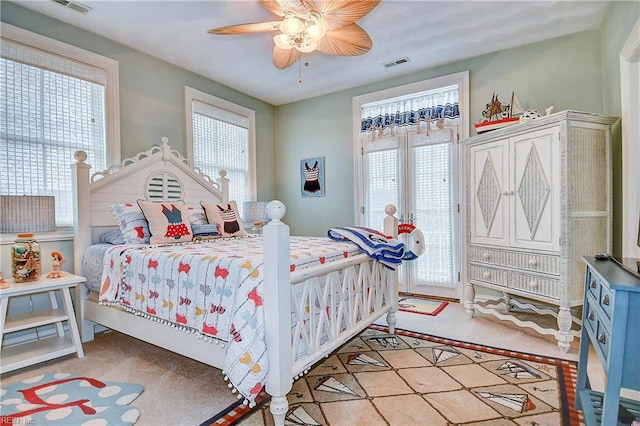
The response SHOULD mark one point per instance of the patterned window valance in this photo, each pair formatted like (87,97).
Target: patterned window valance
(427,110)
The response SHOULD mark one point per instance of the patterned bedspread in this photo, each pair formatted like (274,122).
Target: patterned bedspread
(213,288)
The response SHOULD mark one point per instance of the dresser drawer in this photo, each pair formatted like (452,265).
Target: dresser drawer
(593,284)
(602,340)
(590,319)
(606,301)
(548,264)
(488,275)
(534,284)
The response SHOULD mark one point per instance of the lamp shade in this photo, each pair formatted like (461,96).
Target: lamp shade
(254,211)
(27,213)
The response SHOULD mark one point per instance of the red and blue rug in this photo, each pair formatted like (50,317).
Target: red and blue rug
(421,306)
(412,378)
(67,399)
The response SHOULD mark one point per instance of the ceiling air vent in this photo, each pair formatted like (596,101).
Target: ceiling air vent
(396,62)
(73,5)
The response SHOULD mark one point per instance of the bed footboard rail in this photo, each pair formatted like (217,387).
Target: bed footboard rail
(342,299)
(330,309)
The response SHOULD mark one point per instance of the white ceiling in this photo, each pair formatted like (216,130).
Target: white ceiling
(429,33)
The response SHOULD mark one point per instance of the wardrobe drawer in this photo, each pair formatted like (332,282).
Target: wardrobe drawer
(544,263)
(488,275)
(548,287)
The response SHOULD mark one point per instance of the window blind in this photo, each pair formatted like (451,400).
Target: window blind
(221,142)
(381,166)
(51,106)
(431,158)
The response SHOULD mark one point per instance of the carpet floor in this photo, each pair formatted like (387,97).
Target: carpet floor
(177,390)
(180,391)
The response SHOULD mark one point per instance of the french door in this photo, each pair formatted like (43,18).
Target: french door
(417,171)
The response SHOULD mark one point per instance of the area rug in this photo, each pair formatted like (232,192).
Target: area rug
(421,306)
(67,399)
(416,379)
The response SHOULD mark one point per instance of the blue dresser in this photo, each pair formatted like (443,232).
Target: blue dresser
(611,323)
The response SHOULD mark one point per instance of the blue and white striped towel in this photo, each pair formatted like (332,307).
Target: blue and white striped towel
(386,250)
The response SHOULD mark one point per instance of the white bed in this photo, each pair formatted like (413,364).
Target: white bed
(362,288)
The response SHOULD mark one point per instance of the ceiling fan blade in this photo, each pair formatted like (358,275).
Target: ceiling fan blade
(281,7)
(350,40)
(285,58)
(258,27)
(339,13)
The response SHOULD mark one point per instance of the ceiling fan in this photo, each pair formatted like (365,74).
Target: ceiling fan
(307,25)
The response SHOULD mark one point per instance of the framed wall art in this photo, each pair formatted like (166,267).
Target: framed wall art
(312,177)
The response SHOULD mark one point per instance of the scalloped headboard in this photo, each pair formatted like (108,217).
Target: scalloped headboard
(159,174)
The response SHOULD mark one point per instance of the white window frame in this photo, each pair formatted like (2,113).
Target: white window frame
(191,94)
(110,66)
(461,79)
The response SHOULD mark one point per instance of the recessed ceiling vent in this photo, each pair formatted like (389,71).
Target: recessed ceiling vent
(398,61)
(73,5)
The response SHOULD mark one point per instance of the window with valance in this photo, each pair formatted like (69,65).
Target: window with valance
(419,112)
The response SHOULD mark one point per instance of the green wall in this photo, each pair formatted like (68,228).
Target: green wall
(553,72)
(152,93)
(620,20)
(579,72)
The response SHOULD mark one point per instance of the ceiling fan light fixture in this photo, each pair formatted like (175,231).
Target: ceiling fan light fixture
(291,26)
(283,42)
(307,47)
(315,29)
(328,26)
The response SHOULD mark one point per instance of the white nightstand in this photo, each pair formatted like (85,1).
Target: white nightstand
(30,353)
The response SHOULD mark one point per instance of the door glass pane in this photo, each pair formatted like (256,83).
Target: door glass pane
(431,194)
(382,180)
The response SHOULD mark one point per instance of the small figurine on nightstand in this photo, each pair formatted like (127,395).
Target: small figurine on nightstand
(56,269)
(3,283)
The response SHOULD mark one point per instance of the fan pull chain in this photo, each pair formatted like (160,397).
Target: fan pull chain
(306,64)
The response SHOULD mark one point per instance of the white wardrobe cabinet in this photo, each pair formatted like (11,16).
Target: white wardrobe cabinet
(538,197)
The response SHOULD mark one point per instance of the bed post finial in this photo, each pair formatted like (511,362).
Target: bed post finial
(223,182)
(166,149)
(80,156)
(276,210)
(390,222)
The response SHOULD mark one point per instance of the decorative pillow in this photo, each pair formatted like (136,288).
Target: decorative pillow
(196,215)
(112,237)
(226,216)
(132,223)
(168,222)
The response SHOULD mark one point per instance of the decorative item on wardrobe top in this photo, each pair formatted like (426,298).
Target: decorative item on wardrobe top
(497,115)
